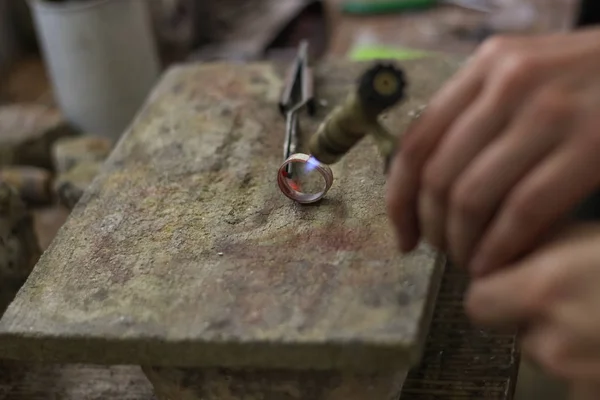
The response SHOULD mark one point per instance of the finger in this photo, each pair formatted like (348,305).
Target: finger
(471,132)
(424,134)
(537,202)
(530,288)
(417,145)
(431,213)
(588,389)
(559,352)
(504,299)
(545,346)
(401,197)
(502,93)
(448,103)
(479,125)
(488,179)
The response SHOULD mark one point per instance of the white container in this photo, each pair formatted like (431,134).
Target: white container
(102,59)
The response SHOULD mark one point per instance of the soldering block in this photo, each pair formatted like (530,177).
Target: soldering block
(184,253)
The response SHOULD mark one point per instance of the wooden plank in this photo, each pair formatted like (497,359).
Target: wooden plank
(183,252)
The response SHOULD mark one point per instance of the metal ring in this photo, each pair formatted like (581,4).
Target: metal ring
(303,198)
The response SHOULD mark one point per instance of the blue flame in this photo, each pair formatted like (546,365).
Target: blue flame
(311,164)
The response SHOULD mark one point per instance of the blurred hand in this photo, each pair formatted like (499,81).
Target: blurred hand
(584,391)
(503,151)
(554,296)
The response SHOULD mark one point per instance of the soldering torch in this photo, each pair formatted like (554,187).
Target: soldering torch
(379,88)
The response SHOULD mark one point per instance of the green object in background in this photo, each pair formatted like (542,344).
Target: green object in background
(379,52)
(385,6)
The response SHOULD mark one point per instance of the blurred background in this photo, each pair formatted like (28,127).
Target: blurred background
(188,30)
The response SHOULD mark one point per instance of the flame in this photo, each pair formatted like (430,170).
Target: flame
(311,164)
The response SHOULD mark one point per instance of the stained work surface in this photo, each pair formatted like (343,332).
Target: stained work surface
(183,252)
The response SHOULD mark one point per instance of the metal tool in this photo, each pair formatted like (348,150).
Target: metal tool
(297,93)
(380,87)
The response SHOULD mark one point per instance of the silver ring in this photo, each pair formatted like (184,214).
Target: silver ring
(290,188)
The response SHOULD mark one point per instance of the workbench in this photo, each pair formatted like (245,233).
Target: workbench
(184,258)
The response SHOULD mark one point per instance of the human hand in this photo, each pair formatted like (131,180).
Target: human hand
(553,295)
(503,151)
(584,391)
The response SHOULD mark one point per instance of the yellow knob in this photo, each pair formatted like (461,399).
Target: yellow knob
(385,83)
